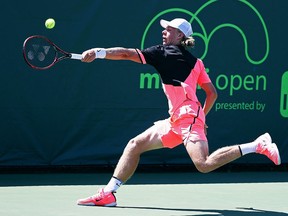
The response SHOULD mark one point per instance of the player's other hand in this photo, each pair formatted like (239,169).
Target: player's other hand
(205,129)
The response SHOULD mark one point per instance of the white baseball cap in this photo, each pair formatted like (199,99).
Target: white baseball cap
(179,23)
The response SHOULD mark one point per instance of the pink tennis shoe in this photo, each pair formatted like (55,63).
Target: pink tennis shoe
(266,147)
(100,199)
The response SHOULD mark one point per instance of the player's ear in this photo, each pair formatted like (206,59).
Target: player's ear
(180,35)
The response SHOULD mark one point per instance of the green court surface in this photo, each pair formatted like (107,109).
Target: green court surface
(185,194)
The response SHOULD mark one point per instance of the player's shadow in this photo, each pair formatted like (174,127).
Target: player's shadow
(236,212)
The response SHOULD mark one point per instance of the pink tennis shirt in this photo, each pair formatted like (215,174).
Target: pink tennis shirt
(180,74)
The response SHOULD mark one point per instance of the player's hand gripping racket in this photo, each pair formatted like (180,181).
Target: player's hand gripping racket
(40,53)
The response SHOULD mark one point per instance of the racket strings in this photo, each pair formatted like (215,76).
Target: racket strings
(39,53)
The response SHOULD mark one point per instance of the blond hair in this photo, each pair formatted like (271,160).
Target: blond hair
(188,42)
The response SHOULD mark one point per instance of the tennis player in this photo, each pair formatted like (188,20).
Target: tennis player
(180,73)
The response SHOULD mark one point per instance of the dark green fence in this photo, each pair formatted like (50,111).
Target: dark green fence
(81,114)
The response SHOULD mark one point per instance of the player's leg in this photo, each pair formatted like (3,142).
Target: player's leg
(198,152)
(146,141)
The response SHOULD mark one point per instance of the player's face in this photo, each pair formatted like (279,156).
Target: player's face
(171,36)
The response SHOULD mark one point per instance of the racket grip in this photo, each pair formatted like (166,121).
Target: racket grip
(76,56)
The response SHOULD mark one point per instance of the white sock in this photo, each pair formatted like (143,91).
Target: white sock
(113,185)
(248,148)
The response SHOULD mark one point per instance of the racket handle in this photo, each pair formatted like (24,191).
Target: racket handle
(76,56)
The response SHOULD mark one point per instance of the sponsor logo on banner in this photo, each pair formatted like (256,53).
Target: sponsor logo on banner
(231,84)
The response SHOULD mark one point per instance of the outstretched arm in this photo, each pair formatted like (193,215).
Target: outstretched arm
(116,53)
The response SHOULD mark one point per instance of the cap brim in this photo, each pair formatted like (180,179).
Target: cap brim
(164,23)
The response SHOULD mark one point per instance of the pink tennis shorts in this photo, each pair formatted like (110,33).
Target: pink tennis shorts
(174,133)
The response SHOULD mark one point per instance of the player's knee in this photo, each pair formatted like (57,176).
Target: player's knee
(133,146)
(202,167)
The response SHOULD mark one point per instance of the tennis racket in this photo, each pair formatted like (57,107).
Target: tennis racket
(40,53)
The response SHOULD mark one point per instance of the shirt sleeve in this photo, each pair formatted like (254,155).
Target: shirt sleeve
(151,55)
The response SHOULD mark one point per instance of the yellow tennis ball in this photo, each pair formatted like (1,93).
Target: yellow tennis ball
(50,23)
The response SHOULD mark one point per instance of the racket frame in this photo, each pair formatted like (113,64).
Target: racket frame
(66,55)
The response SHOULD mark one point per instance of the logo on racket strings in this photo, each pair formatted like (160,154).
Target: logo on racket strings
(38,52)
